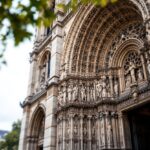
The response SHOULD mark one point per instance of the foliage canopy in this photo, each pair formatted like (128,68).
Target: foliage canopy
(17,16)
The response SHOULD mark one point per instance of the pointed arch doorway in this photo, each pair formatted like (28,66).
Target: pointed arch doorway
(37,130)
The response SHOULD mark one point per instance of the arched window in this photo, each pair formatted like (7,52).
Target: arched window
(44,69)
(132,68)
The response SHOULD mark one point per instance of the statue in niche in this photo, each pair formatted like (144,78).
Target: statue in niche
(83,93)
(140,75)
(92,92)
(148,66)
(88,88)
(128,81)
(42,78)
(131,71)
(108,90)
(75,130)
(75,93)
(109,131)
(98,88)
(84,130)
(60,98)
(70,93)
(93,130)
(64,94)
(104,90)
(116,87)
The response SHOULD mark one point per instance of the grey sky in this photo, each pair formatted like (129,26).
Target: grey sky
(13,83)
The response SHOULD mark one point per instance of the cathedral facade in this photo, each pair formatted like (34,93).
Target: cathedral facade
(89,85)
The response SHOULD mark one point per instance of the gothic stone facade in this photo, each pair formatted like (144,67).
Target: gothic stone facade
(87,70)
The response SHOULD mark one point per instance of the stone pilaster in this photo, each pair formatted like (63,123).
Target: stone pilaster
(32,74)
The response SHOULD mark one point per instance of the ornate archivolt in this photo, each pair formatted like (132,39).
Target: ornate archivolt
(92,33)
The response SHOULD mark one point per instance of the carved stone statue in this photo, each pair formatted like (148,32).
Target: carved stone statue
(60,98)
(83,93)
(128,81)
(92,92)
(131,70)
(116,88)
(42,78)
(64,94)
(99,88)
(75,130)
(140,75)
(75,92)
(104,90)
(84,130)
(69,93)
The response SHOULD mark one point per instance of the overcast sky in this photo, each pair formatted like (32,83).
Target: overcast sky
(13,83)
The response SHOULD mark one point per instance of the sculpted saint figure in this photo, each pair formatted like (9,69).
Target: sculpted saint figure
(69,93)
(128,81)
(104,90)
(140,75)
(83,93)
(99,89)
(75,92)
(131,70)
(116,87)
(42,79)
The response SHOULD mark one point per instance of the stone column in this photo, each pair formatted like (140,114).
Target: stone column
(81,131)
(103,130)
(90,138)
(124,131)
(71,129)
(99,131)
(143,65)
(115,131)
(109,130)
(64,133)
